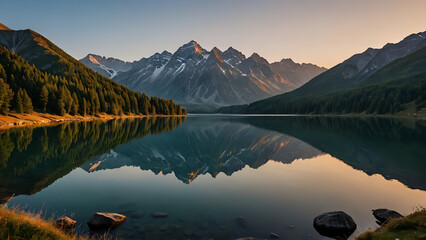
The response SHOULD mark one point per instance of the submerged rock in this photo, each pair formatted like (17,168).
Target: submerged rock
(250,238)
(65,223)
(383,215)
(274,235)
(159,215)
(242,222)
(337,225)
(101,220)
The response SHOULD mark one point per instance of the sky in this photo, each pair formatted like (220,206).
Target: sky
(323,32)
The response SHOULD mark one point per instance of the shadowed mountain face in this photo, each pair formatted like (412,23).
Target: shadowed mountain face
(205,80)
(33,158)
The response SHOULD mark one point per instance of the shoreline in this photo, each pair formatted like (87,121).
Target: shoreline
(13,120)
(409,116)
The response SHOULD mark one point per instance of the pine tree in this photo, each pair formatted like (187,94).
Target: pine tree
(17,102)
(74,106)
(26,102)
(6,96)
(44,98)
(60,105)
(83,108)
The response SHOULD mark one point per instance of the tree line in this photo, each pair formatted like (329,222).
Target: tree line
(25,88)
(389,97)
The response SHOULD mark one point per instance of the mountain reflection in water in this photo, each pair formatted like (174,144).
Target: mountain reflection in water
(278,172)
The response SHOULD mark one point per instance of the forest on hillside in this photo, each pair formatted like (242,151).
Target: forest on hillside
(24,88)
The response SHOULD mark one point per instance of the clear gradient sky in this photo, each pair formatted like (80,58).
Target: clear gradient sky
(324,32)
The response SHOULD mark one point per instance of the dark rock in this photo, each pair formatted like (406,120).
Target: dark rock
(159,215)
(250,238)
(187,232)
(65,223)
(337,225)
(242,222)
(383,215)
(106,220)
(274,236)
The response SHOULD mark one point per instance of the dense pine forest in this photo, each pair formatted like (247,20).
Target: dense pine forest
(24,88)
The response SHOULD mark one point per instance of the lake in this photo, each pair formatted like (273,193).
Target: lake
(218,177)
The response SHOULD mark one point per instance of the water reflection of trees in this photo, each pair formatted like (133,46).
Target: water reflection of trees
(44,154)
(392,147)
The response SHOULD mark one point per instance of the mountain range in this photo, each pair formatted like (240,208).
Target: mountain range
(204,80)
(349,86)
(48,79)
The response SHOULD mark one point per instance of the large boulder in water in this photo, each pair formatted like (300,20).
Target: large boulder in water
(383,215)
(337,225)
(101,220)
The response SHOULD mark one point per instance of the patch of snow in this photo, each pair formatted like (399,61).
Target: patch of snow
(227,62)
(157,71)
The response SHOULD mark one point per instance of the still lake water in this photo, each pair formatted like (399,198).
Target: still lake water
(278,173)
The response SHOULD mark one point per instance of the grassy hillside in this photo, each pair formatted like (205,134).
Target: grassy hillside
(16,224)
(399,86)
(412,227)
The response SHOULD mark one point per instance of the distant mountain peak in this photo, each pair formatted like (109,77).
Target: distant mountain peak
(256,57)
(93,59)
(217,53)
(166,53)
(287,60)
(192,45)
(3,27)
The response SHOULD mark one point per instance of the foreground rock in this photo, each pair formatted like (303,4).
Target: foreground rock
(250,238)
(383,215)
(65,223)
(106,220)
(159,215)
(337,225)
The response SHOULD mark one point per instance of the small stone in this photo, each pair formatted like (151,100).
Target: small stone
(242,222)
(249,238)
(177,226)
(65,223)
(159,215)
(163,227)
(187,232)
(274,235)
(101,220)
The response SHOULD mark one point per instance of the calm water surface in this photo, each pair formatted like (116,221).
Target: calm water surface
(278,173)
